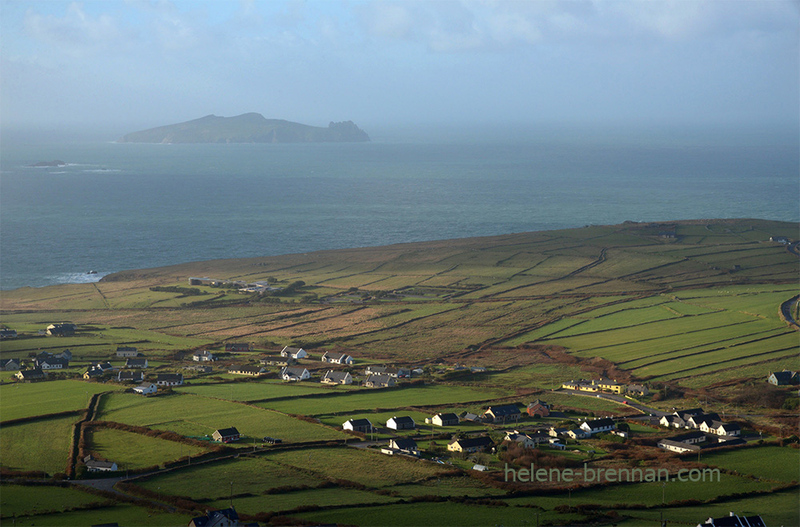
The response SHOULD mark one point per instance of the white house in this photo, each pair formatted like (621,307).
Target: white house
(294,374)
(358,425)
(146,388)
(295,353)
(598,425)
(93,465)
(203,356)
(337,377)
(337,358)
(401,423)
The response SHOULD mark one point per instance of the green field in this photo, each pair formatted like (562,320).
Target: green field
(26,400)
(39,445)
(18,500)
(133,451)
(769,463)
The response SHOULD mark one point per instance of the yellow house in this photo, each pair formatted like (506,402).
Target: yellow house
(610,386)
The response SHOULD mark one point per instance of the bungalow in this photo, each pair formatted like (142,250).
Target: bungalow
(401,423)
(526,440)
(130,376)
(93,373)
(219,518)
(538,408)
(784,378)
(53,363)
(203,356)
(103,366)
(199,369)
(30,375)
(146,388)
(9,364)
(6,333)
(136,363)
(93,465)
(337,377)
(226,435)
(295,353)
(698,421)
(598,425)
(679,447)
(277,360)
(169,379)
(395,373)
(555,432)
(237,347)
(733,520)
(337,358)
(294,374)
(780,239)
(405,446)
(672,421)
(577,433)
(358,425)
(470,445)
(61,329)
(638,389)
(443,420)
(127,351)
(379,381)
(721,429)
(253,371)
(502,413)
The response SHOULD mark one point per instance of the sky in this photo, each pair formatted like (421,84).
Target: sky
(134,64)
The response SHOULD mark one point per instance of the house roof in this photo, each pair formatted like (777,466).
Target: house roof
(599,423)
(131,375)
(686,414)
(688,437)
(335,375)
(335,356)
(296,372)
(472,442)
(248,369)
(784,376)
(379,379)
(170,377)
(538,402)
(227,432)
(126,348)
(447,417)
(403,419)
(212,517)
(93,463)
(359,422)
(31,374)
(145,386)
(405,443)
(503,410)
(135,362)
(287,349)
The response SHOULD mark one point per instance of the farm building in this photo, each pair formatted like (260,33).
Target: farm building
(379,381)
(61,329)
(127,351)
(784,378)
(52,363)
(596,426)
(401,423)
(130,376)
(294,374)
(237,347)
(226,435)
(358,425)
(470,445)
(136,363)
(337,377)
(93,465)
(253,371)
(9,364)
(277,360)
(337,358)
(29,375)
(8,334)
(146,388)
(218,518)
(538,408)
(443,420)
(502,413)
(295,353)
(203,356)
(169,379)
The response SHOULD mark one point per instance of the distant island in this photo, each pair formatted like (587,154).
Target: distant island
(247,128)
(54,163)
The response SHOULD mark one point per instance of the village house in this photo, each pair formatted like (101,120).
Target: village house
(51,363)
(784,378)
(203,356)
(226,435)
(337,358)
(470,445)
(527,440)
(127,351)
(199,369)
(640,390)
(30,375)
(295,353)
(404,446)
(597,426)
(136,363)
(217,518)
(556,432)
(577,433)
(379,381)
(395,373)
(9,364)
(607,385)
(358,425)
(277,360)
(130,376)
(295,374)
(146,388)
(734,520)
(93,465)
(6,333)
(252,371)
(401,423)
(538,408)
(595,385)
(502,414)
(169,379)
(92,373)
(698,420)
(780,239)
(61,329)
(443,420)
(337,377)
(237,347)
(720,428)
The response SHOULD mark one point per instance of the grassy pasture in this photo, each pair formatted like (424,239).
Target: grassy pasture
(769,463)
(755,371)
(385,398)
(254,391)
(292,500)
(19,500)
(38,398)
(122,514)
(373,469)
(134,451)
(194,415)
(47,452)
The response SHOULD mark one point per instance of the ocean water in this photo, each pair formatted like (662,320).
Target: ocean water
(127,206)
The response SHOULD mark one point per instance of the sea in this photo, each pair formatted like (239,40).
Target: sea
(117,206)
